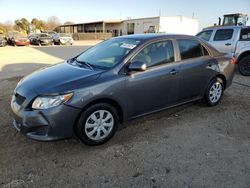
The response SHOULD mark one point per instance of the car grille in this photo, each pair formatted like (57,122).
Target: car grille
(19,99)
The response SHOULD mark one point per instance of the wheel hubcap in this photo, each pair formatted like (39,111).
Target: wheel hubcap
(215,92)
(99,125)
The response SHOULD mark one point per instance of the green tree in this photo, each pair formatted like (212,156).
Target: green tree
(22,25)
(39,24)
(3,30)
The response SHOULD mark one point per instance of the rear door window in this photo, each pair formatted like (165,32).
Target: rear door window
(245,34)
(205,35)
(189,48)
(205,52)
(223,34)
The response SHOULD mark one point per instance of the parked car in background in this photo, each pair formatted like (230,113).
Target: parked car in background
(51,33)
(42,39)
(3,41)
(32,36)
(116,80)
(231,39)
(62,39)
(17,39)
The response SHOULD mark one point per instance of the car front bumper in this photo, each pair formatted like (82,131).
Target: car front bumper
(45,125)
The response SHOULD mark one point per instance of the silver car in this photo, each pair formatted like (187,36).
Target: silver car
(62,39)
(231,39)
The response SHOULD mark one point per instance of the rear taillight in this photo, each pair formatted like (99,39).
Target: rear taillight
(233,60)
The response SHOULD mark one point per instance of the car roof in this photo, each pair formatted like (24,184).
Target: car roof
(148,37)
(225,27)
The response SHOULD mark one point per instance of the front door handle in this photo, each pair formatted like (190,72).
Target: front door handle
(228,44)
(174,72)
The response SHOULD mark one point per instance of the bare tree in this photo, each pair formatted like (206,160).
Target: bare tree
(8,25)
(68,23)
(52,23)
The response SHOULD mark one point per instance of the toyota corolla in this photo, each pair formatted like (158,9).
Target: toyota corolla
(91,94)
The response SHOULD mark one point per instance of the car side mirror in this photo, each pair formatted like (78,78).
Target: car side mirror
(137,66)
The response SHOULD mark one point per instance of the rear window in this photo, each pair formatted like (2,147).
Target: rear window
(189,48)
(245,34)
(205,35)
(223,34)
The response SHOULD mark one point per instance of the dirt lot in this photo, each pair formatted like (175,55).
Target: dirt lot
(188,146)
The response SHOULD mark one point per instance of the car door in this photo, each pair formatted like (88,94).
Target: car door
(196,68)
(224,40)
(157,87)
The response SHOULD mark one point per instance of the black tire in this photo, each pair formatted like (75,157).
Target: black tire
(244,66)
(80,127)
(208,98)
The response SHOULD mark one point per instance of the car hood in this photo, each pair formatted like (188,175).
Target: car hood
(21,38)
(58,78)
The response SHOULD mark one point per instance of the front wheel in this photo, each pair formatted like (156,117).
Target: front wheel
(244,66)
(214,92)
(97,124)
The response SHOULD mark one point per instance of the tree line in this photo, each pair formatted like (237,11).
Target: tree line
(35,25)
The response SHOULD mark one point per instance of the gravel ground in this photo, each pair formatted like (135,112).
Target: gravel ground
(187,146)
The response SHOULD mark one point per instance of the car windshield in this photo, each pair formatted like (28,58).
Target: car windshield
(108,53)
(43,35)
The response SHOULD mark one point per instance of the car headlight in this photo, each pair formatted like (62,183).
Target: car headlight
(45,102)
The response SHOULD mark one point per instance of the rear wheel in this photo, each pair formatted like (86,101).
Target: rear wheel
(214,92)
(244,66)
(97,124)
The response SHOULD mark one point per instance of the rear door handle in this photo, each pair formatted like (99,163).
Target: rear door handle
(174,72)
(228,44)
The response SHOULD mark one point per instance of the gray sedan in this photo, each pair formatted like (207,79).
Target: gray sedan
(119,79)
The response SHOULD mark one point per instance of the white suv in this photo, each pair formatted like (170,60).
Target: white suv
(231,39)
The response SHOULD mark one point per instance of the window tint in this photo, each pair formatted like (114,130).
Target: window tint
(156,54)
(245,34)
(189,48)
(205,35)
(205,52)
(223,34)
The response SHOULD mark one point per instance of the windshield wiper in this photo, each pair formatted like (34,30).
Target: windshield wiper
(90,66)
